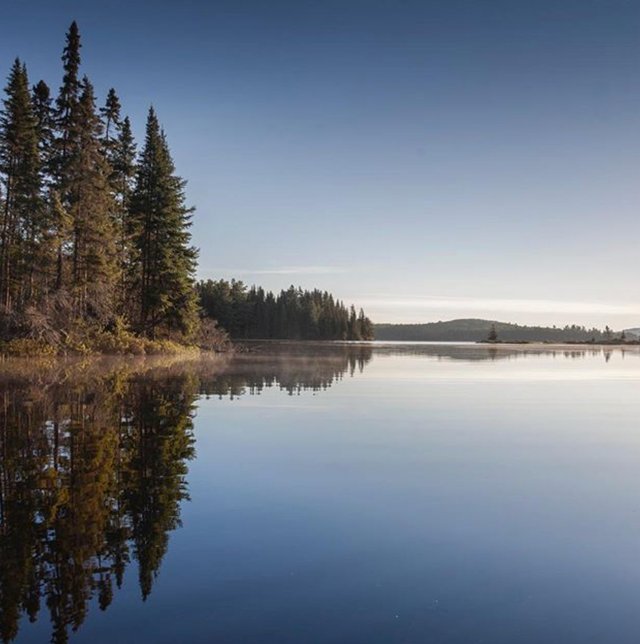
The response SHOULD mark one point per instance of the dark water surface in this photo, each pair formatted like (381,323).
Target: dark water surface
(324,494)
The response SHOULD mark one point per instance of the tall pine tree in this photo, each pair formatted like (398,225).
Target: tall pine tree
(20,168)
(67,121)
(163,278)
(121,155)
(93,264)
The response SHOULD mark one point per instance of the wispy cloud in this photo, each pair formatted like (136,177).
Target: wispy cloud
(277,270)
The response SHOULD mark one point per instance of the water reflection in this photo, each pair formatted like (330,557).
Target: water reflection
(473,352)
(94,460)
(92,475)
(292,367)
(94,465)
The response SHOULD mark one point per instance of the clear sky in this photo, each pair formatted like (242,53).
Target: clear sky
(425,160)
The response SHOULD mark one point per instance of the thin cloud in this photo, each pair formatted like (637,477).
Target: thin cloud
(278,270)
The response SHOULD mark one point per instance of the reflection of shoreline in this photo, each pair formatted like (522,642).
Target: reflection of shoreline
(305,367)
(77,369)
(504,351)
(95,453)
(92,478)
(94,468)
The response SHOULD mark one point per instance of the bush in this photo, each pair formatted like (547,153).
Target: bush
(211,337)
(27,347)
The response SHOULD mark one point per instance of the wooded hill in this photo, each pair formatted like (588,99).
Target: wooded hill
(475,330)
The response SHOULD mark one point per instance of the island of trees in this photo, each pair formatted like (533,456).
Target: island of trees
(95,247)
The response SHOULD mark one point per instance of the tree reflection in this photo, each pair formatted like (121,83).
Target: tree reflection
(92,476)
(93,470)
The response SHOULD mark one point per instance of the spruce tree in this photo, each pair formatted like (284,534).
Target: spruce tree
(51,225)
(163,276)
(354,328)
(110,114)
(123,170)
(66,113)
(67,122)
(45,118)
(20,169)
(94,266)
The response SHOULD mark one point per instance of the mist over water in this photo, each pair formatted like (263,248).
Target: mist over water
(323,493)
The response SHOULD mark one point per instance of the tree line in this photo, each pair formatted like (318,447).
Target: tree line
(93,234)
(475,330)
(249,313)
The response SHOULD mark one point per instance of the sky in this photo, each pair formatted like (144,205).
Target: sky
(425,160)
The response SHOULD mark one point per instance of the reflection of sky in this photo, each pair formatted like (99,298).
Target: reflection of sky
(431,497)
(517,367)
(447,509)
(478,152)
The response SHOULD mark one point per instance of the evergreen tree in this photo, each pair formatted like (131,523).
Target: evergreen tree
(354,328)
(20,168)
(123,163)
(50,226)
(365,326)
(45,118)
(94,267)
(110,114)
(163,278)
(123,169)
(68,97)
(67,121)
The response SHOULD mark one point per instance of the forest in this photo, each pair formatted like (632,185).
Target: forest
(251,313)
(94,236)
(474,330)
(95,242)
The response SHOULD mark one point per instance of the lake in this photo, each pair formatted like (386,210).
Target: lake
(323,493)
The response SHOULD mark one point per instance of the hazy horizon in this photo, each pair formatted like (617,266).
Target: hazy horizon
(427,161)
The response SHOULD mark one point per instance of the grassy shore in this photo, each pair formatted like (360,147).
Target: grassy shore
(119,342)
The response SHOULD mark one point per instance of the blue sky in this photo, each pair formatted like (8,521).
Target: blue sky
(426,160)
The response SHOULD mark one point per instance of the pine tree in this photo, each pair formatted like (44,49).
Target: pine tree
(20,169)
(67,122)
(44,113)
(94,267)
(66,113)
(110,114)
(164,274)
(50,224)
(123,162)
(123,169)
(354,328)
(365,326)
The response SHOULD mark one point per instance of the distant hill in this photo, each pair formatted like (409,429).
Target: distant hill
(473,330)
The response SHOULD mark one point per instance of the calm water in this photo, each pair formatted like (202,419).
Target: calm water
(324,494)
